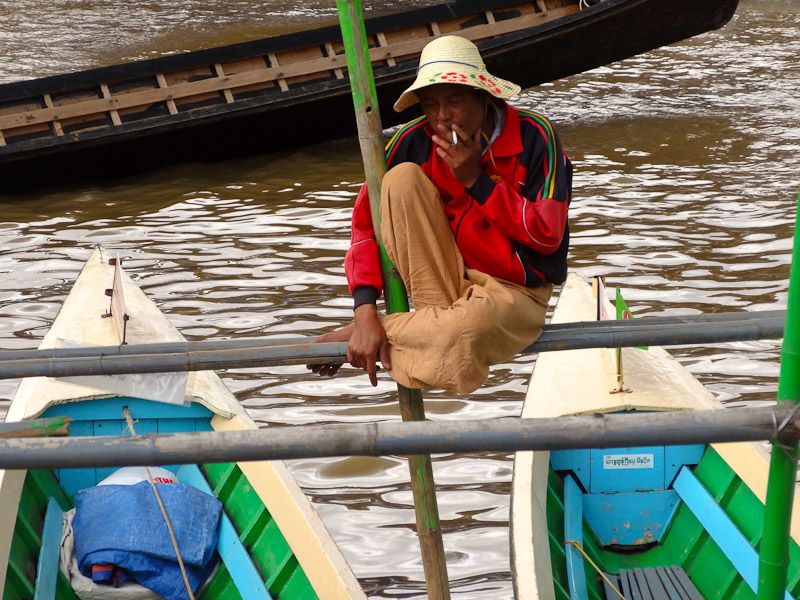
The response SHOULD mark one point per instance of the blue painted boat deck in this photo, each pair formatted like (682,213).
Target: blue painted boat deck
(105,417)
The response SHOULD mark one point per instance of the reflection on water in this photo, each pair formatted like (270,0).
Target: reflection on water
(687,163)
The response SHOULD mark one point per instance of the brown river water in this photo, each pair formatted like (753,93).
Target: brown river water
(687,167)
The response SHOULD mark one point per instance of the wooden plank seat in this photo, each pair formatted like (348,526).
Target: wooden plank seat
(652,583)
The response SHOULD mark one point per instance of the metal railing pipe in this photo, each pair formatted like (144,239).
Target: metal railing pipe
(238,354)
(407,438)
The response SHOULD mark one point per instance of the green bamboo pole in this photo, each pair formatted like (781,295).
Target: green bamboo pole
(370,135)
(774,555)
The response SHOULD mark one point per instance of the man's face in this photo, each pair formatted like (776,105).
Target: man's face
(449,104)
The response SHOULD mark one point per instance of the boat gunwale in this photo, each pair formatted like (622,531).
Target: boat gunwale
(297,94)
(63,82)
(320,89)
(266,107)
(385,74)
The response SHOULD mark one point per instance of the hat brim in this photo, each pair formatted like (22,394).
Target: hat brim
(495,86)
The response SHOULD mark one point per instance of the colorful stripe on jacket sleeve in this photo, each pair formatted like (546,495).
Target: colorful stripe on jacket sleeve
(398,149)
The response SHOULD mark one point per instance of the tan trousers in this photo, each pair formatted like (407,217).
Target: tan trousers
(464,320)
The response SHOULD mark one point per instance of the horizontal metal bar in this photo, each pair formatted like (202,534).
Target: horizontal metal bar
(398,438)
(153,348)
(568,333)
(227,354)
(206,360)
(646,322)
(662,331)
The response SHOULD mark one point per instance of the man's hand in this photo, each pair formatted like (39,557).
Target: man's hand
(463,157)
(368,343)
(340,335)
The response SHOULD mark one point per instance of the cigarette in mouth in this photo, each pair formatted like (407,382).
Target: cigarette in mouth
(455,138)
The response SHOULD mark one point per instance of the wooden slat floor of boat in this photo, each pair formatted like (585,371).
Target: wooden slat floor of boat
(659,583)
(281,69)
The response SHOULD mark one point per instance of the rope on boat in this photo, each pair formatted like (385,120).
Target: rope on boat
(129,421)
(600,572)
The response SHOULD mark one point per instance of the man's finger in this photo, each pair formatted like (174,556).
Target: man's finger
(329,370)
(448,158)
(442,145)
(385,356)
(372,371)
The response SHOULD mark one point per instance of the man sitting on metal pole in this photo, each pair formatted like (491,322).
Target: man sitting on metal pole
(473,215)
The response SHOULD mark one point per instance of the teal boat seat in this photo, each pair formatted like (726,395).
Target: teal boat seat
(573,534)
(47,568)
(105,417)
(627,493)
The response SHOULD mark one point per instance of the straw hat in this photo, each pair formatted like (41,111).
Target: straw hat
(453,59)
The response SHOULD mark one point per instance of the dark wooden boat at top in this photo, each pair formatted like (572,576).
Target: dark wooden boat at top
(292,90)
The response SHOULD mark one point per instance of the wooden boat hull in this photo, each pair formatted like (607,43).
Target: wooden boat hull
(642,512)
(292,90)
(280,545)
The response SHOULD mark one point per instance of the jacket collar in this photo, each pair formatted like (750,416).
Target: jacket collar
(509,142)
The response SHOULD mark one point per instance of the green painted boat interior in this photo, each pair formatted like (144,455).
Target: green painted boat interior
(40,485)
(259,533)
(257,530)
(685,543)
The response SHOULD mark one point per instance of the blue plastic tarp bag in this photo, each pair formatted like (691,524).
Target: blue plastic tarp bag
(124,526)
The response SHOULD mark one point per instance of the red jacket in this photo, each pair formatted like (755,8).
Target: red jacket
(511,224)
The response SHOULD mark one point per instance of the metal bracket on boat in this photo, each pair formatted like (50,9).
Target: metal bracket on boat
(116,308)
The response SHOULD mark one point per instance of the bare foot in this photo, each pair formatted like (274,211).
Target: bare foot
(340,335)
